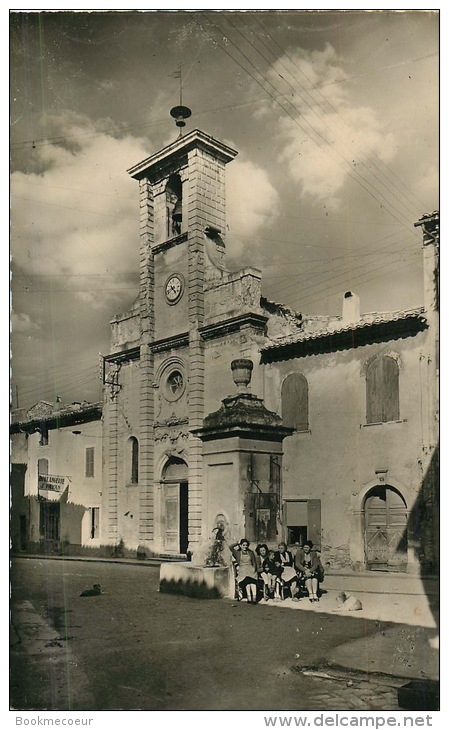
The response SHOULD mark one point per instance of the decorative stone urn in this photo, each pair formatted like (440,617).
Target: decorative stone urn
(241,372)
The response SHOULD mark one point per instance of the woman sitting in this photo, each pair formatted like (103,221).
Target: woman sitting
(268,571)
(246,569)
(308,566)
(288,578)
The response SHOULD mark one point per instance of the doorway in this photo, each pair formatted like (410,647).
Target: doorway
(49,520)
(23,527)
(385,530)
(176,506)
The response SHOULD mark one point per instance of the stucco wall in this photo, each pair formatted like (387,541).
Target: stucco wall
(340,454)
(66,456)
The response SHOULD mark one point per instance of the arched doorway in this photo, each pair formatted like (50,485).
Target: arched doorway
(176,505)
(385,529)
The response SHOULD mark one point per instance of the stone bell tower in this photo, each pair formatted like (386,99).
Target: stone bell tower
(182,243)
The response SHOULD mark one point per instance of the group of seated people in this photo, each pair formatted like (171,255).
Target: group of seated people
(276,573)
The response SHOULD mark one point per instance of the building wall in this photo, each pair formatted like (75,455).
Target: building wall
(66,455)
(336,460)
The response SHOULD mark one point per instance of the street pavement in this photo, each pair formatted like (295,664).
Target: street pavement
(134,648)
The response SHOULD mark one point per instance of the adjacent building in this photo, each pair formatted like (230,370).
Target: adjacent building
(56,478)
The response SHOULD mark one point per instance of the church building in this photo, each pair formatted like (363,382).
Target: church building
(224,408)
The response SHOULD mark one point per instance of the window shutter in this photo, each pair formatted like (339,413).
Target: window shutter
(42,467)
(314,522)
(90,461)
(374,392)
(390,379)
(382,390)
(295,402)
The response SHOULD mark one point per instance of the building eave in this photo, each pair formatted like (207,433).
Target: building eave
(60,419)
(386,327)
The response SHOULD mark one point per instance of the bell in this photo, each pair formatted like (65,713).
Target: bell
(177,212)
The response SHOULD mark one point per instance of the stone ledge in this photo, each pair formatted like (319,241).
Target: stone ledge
(194,581)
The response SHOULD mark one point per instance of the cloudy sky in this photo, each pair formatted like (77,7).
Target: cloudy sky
(335,117)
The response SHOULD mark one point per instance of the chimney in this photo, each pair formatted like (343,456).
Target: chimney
(351,308)
(430,225)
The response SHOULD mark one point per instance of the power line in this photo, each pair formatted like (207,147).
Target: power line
(344,276)
(306,91)
(328,150)
(317,90)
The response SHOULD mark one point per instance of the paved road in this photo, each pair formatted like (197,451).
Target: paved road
(136,649)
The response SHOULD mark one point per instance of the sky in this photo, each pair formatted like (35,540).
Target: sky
(335,116)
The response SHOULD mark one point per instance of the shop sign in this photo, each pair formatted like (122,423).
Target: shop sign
(51,486)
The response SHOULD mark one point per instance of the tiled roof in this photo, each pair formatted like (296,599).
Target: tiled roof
(366,321)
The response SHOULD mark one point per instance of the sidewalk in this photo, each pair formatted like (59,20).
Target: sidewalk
(406,609)
(395,598)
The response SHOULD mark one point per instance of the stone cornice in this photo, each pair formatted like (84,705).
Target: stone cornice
(170,243)
(154,165)
(234,324)
(169,343)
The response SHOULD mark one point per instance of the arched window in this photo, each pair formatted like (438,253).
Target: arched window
(134,460)
(382,390)
(295,402)
(173,194)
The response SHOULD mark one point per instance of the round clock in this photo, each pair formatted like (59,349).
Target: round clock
(174,288)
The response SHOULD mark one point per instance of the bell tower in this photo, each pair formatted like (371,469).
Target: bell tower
(182,245)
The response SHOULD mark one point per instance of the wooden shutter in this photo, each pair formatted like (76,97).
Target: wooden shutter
(314,522)
(382,390)
(295,402)
(90,461)
(390,380)
(42,467)
(374,391)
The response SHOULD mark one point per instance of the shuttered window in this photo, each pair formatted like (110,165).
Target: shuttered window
(382,390)
(42,467)
(90,461)
(295,402)
(134,460)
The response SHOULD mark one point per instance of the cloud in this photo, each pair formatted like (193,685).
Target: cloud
(79,216)
(22,323)
(325,139)
(249,196)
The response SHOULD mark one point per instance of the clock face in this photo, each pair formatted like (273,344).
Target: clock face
(174,288)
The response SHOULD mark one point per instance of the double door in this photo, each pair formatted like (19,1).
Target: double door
(385,530)
(177,517)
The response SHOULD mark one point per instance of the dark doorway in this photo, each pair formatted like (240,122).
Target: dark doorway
(183,517)
(49,520)
(23,533)
(296,535)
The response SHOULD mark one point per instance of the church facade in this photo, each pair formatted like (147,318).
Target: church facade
(335,438)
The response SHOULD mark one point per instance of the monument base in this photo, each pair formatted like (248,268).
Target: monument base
(194,581)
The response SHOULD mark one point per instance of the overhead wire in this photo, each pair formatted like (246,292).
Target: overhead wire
(347,276)
(374,160)
(392,271)
(327,148)
(332,130)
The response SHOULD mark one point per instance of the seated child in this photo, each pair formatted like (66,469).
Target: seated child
(272,571)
